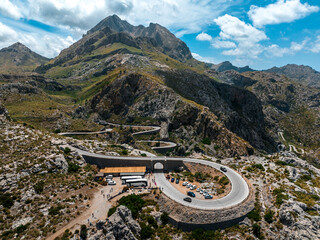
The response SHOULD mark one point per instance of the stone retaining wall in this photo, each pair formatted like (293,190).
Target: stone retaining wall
(189,219)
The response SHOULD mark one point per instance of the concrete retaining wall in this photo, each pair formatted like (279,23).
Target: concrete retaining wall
(102,163)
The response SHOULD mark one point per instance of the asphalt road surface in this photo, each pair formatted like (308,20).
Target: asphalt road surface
(239,187)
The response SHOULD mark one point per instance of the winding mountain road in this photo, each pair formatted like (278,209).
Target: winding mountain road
(239,187)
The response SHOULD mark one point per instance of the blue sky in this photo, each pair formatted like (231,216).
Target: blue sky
(258,33)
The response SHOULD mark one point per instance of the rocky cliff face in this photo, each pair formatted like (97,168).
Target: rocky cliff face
(136,96)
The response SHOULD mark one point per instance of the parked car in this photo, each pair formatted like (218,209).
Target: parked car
(201,191)
(208,196)
(193,188)
(168,176)
(187,199)
(177,181)
(188,185)
(223,169)
(198,189)
(184,183)
(111,182)
(191,194)
(172,179)
(109,177)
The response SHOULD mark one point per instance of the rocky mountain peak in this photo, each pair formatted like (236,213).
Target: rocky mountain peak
(19,55)
(167,41)
(301,73)
(226,65)
(114,23)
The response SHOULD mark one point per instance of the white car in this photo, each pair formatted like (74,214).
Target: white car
(198,189)
(189,185)
(193,188)
(112,182)
(201,191)
(184,183)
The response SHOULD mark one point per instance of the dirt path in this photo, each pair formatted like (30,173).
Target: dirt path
(98,210)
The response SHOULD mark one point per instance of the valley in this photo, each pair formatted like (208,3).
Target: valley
(132,96)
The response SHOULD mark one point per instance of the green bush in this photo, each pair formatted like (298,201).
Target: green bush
(133,202)
(21,229)
(164,218)
(6,200)
(55,210)
(206,141)
(112,211)
(200,234)
(259,166)
(67,150)
(38,187)
(256,230)
(254,215)
(146,231)
(83,232)
(73,168)
(224,180)
(268,216)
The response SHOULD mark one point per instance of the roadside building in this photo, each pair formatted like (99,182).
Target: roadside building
(124,171)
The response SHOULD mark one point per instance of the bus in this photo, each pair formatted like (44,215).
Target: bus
(130,177)
(137,182)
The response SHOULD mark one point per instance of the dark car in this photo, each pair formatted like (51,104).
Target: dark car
(172,179)
(187,199)
(168,176)
(177,181)
(223,169)
(191,194)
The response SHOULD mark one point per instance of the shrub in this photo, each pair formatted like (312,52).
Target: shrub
(200,234)
(112,211)
(206,141)
(55,210)
(268,216)
(256,230)
(83,232)
(164,218)
(73,168)
(224,180)
(146,231)
(67,150)
(254,215)
(21,229)
(38,187)
(57,131)
(133,202)
(6,200)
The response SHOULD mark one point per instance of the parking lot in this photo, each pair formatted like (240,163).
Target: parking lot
(199,189)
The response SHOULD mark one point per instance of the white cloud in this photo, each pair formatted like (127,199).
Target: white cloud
(204,59)
(204,37)
(46,44)
(10,10)
(245,35)
(315,48)
(182,16)
(283,11)
(7,33)
(223,44)
(275,51)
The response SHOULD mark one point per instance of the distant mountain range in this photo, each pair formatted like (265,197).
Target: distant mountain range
(18,57)
(300,73)
(146,75)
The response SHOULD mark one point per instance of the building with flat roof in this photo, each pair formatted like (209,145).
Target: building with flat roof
(124,171)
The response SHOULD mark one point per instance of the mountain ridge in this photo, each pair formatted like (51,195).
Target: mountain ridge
(17,56)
